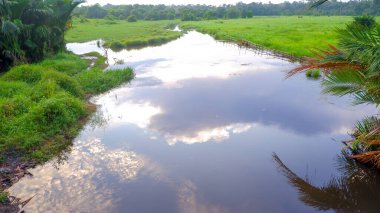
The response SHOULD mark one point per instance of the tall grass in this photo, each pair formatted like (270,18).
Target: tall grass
(41,106)
(123,34)
(288,34)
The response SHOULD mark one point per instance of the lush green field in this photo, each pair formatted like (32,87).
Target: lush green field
(42,105)
(122,34)
(287,34)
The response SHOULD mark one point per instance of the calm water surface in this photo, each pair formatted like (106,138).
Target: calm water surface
(196,131)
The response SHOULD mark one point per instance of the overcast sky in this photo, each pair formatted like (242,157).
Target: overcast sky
(177,2)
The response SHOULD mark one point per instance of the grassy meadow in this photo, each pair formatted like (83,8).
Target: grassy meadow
(287,34)
(43,106)
(120,34)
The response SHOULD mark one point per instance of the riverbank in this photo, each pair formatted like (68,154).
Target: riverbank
(290,35)
(122,34)
(43,107)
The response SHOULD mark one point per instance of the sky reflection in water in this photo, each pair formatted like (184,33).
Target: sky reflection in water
(195,132)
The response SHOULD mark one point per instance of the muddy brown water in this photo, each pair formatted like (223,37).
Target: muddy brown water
(196,131)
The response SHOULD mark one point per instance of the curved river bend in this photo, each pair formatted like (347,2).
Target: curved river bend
(196,131)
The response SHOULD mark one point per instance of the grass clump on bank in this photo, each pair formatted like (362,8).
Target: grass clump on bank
(287,34)
(97,59)
(43,106)
(3,197)
(122,34)
(314,73)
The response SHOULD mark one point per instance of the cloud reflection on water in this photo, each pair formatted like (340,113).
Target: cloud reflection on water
(79,183)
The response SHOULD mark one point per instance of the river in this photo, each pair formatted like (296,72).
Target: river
(197,131)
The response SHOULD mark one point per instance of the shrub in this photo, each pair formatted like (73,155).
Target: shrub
(131,18)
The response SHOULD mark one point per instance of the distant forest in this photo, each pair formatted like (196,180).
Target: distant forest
(240,10)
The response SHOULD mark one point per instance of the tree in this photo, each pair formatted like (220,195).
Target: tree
(232,12)
(29,30)
(96,11)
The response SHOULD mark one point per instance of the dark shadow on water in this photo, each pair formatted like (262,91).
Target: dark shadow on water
(356,190)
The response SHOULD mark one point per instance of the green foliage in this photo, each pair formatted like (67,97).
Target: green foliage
(354,69)
(26,73)
(123,34)
(41,107)
(365,21)
(64,82)
(10,89)
(314,73)
(96,11)
(239,10)
(99,61)
(56,113)
(31,30)
(96,80)
(290,34)
(67,63)
(131,18)
(3,197)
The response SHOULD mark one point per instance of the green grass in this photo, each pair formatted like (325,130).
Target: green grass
(122,34)
(286,34)
(96,80)
(43,106)
(100,61)
(3,197)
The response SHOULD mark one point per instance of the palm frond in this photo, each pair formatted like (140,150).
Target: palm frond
(341,83)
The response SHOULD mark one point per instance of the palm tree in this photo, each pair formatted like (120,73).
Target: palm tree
(354,69)
(29,30)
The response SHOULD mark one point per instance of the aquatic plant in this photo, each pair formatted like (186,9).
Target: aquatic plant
(314,73)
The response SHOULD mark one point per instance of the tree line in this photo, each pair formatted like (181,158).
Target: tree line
(240,10)
(32,29)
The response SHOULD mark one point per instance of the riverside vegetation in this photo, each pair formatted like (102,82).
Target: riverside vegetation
(41,104)
(291,35)
(353,68)
(43,89)
(119,34)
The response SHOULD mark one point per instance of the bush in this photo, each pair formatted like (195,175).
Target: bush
(131,18)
